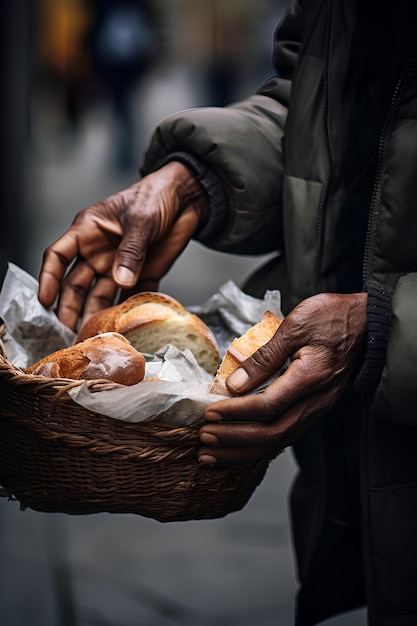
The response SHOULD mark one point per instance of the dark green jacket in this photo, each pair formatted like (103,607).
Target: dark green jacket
(321,167)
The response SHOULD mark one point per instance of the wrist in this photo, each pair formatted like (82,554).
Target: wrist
(379,309)
(188,189)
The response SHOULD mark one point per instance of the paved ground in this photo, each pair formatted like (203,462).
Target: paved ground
(106,570)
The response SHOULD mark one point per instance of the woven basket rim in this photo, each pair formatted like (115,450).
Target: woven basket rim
(153,465)
(58,388)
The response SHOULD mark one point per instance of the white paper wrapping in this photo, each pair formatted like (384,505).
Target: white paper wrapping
(32,330)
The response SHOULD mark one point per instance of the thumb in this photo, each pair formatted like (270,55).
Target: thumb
(263,364)
(129,259)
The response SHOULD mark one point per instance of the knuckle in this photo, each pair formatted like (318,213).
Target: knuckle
(51,255)
(115,204)
(265,357)
(131,252)
(78,289)
(80,216)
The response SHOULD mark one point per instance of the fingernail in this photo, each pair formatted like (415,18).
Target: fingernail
(208,438)
(125,276)
(213,416)
(207,459)
(238,378)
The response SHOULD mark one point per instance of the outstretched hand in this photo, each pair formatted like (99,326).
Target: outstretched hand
(127,241)
(324,339)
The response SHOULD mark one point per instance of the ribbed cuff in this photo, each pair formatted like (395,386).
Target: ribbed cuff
(212,185)
(379,323)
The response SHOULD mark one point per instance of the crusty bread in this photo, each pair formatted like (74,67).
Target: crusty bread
(242,348)
(108,356)
(150,320)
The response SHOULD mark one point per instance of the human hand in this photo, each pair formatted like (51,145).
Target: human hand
(324,337)
(126,241)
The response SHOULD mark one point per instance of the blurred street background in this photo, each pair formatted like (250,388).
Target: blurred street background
(79,103)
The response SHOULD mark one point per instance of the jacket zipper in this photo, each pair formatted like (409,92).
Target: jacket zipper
(374,203)
(323,198)
(372,223)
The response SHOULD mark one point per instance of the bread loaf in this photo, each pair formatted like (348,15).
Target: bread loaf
(107,356)
(242,348)
(150,320)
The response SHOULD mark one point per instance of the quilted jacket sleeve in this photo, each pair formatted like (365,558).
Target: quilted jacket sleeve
(396,396)
(240,147)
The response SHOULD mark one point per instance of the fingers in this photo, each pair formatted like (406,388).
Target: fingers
(239,429)
(234,456)
(56,260)
(49,286)
(239,443)
(128,262)
(160,254)
(101,296)
(301,379)
(74,290)
(132,236)
(322,337)
(249,434)
(129,252)
(83,294)
(265,362)
(72,264)
(232,443)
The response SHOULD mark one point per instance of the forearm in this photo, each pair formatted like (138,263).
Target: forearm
(238,151)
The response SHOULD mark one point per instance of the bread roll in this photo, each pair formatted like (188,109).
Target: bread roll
(150,320)
(107,356)
(242,348)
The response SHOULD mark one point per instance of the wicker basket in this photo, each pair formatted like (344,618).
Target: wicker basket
(55,456)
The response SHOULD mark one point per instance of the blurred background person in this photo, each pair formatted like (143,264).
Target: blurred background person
(123,42)
(217,51)
(62,69)
(223,44)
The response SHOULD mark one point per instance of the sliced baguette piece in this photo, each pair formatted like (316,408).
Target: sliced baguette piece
(107,356)
(242,348)
(151,320)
